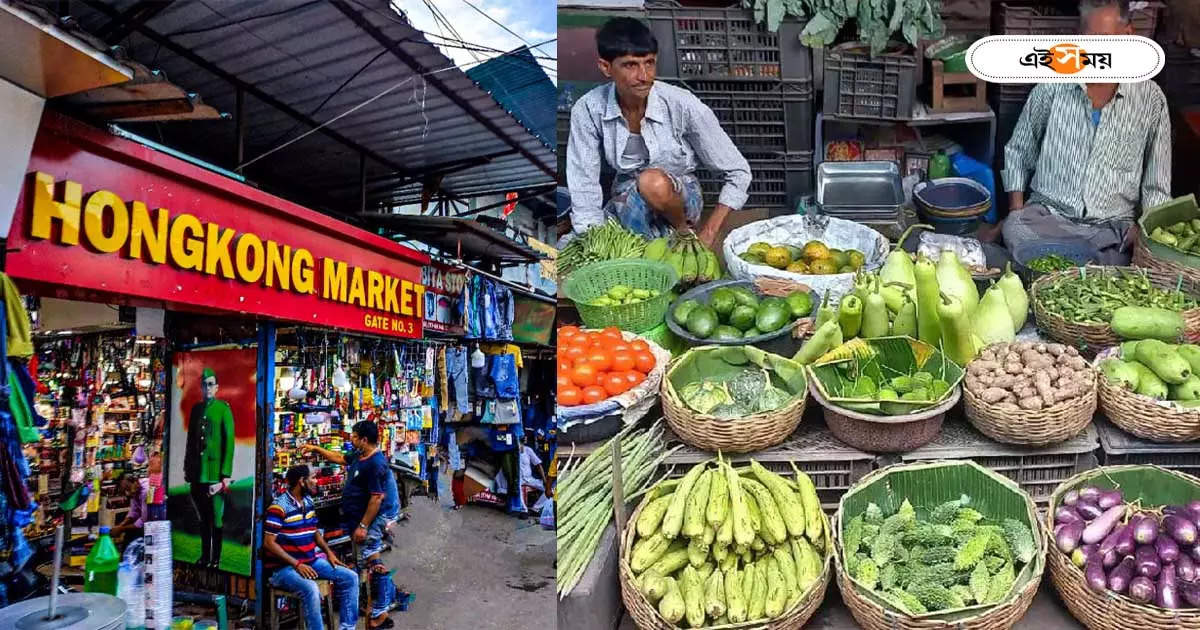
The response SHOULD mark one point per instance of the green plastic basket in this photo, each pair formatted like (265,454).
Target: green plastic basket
(589,282)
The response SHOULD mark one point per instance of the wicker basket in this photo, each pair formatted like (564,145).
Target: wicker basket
(1091,338)
(871,615)
(1109,611)
(1145,418)
(1143,257)
(729,435)
(1054,424)
(594,280)
(646,617)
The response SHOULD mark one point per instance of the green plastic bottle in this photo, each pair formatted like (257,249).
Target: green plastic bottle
(939,166)
(100,569)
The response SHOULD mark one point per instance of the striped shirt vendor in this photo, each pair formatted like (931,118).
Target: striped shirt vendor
(1091,156)
(654,136)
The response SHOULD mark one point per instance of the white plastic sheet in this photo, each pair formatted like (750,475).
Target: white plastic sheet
(797,230)
(969,250)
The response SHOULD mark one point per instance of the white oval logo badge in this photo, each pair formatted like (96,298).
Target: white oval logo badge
(1065,58)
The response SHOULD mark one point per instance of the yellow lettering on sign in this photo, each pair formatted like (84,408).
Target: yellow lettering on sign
(251,261)
(187,244)
(374,290)
(151,234)
(419,289)
(279,265)
(391,301)
(46,209)
(216,251)
(93,221)
(333,280)
(406,298)
(357,294)
(302,271)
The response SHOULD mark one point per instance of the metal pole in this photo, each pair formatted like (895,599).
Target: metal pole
(58,544)
(362,181)
(240,113)
(618,489)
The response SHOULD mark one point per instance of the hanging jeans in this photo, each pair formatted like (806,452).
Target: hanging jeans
(345,593)
(504,375)
(457,364)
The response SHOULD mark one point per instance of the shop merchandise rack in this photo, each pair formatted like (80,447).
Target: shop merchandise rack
(725,44)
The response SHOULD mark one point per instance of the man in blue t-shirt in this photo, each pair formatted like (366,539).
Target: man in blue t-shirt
(370,502)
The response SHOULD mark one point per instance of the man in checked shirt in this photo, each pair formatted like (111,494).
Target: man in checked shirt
(654,136)
(1097,153)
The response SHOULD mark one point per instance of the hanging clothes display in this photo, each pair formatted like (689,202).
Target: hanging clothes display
(487,310)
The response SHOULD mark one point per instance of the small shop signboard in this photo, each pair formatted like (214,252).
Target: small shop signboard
(443,287)
(101,215)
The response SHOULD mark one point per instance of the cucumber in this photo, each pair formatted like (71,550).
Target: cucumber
(1140,322)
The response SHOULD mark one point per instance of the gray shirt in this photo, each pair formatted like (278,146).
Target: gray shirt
(679,131)
(635,156)
(1092,172)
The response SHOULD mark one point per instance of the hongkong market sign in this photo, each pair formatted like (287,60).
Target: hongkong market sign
(103,215)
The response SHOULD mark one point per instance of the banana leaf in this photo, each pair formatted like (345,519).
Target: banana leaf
(1154,486)
(726,363)
(928,485)
(837,372)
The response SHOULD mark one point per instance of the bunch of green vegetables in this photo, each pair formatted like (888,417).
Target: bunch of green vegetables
(1183,236)
(736,381)
(878,20)
(1097,293)
(955,558)
(1157,369)
(727,545)
(1051,263)
(608,241)
(585,496)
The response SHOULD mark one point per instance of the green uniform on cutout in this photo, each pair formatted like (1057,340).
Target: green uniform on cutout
(208,466)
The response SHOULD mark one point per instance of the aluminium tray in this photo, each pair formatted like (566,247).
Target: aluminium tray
(859,189)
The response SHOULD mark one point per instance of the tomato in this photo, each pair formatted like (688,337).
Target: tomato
(623,361)
(574,354)
(569,396)
(584,375)
(566,332)
(615,384)
(634,378)
(639,346)
(612,332)
(599,358)
(594,394)
(582,340)
(564,364)
(645,362)
(619,347)
(564,380)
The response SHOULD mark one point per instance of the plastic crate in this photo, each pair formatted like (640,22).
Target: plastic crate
(778,181)
(761,116)
(1037,470)
(1119,448)
(1015,19)
(832,465)
(727,43)
(860,86)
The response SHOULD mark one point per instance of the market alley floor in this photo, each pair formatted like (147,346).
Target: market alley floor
(472,569)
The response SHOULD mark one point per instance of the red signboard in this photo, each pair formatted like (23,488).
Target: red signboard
(103,215)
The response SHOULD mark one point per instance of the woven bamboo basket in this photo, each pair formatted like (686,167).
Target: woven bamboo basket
(1091,338)
(752,433)
(1145,418)
(646,616)
(1054,424)
(873,615)
(1109,611)
(1143,257)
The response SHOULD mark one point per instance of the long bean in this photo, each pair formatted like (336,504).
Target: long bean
(1094,295)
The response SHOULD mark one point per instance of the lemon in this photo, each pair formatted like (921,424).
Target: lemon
(815,250)
(759,248)
(798,267)
(778,257)
(839,257)
(857,259)
(823,266)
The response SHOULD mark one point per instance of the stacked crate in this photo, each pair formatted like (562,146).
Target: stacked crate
(759,85)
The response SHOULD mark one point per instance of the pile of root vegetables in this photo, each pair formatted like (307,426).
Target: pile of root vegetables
(1029,376)
(1150,556)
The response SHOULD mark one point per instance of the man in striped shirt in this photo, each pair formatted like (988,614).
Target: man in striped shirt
(298,554)
(1097,152)
(654,135)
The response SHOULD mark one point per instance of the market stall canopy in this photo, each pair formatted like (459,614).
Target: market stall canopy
(387,107)
(466,239)
(47,60)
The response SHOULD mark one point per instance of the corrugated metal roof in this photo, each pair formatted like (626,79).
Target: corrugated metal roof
(301,55)
(520,85)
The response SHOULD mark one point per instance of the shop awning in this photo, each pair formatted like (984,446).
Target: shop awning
(465,239)
(295,66)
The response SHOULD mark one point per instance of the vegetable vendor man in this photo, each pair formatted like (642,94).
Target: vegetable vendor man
(1089,154)
(208,466)
(654,136)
